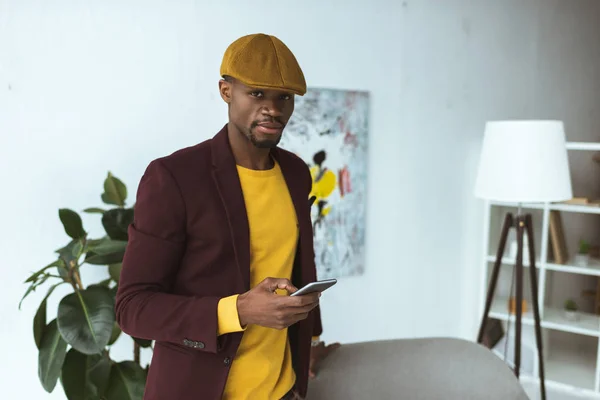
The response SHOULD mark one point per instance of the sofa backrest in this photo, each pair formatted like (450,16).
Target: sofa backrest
(415,369)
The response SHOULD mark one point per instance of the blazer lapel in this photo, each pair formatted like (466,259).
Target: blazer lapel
(229,187)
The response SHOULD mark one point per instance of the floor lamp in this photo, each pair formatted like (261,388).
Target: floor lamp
(522,162)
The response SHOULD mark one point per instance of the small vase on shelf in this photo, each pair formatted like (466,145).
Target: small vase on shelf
(571,310)
(582,260)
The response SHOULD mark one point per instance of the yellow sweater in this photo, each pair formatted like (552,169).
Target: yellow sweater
(262,367)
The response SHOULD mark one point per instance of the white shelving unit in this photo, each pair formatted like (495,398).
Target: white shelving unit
(572,349)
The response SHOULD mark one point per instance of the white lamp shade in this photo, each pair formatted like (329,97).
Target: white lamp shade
(524,161)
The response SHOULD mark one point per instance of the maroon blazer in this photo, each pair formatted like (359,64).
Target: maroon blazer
(188,247)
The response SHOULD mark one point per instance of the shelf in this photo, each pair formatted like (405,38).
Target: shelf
(552,318)
(593,268)
(575,208)
(571,367)
(571,347)
(591,146)
(587,324)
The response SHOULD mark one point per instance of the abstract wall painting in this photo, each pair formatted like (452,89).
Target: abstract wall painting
(329,131)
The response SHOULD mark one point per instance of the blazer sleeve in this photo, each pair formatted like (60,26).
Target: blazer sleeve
(317,324)
(143,305)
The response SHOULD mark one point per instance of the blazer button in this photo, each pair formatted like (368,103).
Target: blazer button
(227,361)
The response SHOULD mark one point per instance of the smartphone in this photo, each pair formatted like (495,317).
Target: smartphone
(313,287)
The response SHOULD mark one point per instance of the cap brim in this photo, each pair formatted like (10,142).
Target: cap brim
(271,87)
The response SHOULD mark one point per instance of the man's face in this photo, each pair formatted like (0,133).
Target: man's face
(260,114)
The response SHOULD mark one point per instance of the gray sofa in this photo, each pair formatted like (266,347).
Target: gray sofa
(415,369)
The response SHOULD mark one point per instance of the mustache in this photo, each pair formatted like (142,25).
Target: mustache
(268,120)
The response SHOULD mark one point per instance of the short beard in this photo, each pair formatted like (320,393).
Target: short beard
(261,144)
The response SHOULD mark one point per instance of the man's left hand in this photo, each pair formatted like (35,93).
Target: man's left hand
(318,354)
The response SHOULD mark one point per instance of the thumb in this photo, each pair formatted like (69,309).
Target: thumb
(281,283)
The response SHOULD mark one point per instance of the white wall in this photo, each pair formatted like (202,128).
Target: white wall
(87,87)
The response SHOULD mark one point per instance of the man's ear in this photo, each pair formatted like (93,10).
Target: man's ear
(225,89)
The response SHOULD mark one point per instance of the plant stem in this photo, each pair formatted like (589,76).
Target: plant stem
(78,280)
(71,281)
(73,277)
(136,353)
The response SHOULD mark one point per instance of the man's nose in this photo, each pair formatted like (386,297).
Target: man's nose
(272,108)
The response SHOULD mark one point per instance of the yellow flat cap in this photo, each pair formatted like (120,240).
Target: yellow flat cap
(263,61)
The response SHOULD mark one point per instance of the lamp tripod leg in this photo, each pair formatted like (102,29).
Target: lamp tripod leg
(508,221)
(536,308)
(519,294)
(524,224)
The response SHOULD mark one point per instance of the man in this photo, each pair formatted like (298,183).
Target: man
(222,234)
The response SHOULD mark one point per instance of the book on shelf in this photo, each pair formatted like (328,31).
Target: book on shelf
(558,245)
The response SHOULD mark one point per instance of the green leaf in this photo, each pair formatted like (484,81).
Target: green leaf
(100,372)
(114,270)
(84,376)
(106,251)
(90,243)
(70,253)
(86,318)
(34,286)
(63,272)
(51,357)
(107,246)
(127,382)
(72,223)
(36,275)
(115,334)
(39,321)
(94,210)
(99,259)
(115,191)
(116,222)
(145,343)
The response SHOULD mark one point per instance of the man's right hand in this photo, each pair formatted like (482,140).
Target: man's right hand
(262,306)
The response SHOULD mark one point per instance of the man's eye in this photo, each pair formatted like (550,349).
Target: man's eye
(286,97)
(257,94)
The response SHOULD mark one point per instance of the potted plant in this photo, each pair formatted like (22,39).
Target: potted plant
(571,310)
(583,254)
(74,348)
